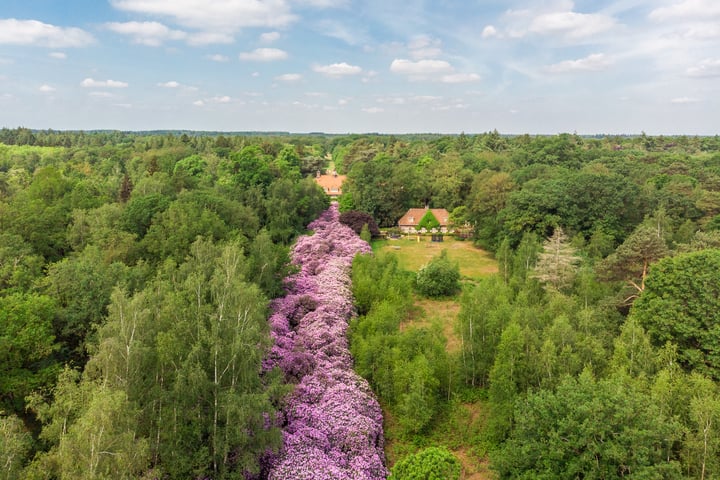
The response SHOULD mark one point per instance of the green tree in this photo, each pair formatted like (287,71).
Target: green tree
(15,444)
(432,463)
(631,261)
(589,429)
(681,304)
(484,314)
(439,277)
(27,344)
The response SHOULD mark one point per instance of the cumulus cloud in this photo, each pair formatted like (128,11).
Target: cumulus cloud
(170,84)
(687,9)
(58,55)
(460,78)
(289,77)
(270,37)
(571,24)
(218,58)
(92,83)
(489,32)
(264,55)
(592,63)
(223,15)
(33,32)
(710,67)
(338,69)
(421,67)
(46,89)
(152,34)
(373,110)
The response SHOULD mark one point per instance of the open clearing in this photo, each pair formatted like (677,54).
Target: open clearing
(459,429)
(474,262)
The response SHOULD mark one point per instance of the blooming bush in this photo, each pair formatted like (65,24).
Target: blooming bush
(333,423)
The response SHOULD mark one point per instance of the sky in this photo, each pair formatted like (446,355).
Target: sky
(350,66)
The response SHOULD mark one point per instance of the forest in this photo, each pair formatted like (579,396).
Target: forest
(161,295)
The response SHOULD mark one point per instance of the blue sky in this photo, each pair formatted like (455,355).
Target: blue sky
(341,66)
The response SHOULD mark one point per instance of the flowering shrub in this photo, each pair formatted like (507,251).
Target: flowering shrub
(333,423)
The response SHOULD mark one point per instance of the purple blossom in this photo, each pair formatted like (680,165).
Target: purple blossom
(333,423)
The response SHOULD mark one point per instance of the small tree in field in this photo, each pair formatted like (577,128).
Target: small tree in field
(439,277)
(433,463)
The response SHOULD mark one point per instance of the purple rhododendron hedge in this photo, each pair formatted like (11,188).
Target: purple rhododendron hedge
(333,423)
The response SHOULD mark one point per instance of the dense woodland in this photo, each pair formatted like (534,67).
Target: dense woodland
(595,351)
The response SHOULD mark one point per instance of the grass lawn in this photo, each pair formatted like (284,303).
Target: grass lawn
(474,262)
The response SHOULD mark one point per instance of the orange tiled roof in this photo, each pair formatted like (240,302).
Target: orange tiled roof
(331,184)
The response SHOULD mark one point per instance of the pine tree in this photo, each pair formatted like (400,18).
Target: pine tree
(556,264)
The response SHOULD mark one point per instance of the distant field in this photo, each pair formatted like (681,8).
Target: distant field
(474,262)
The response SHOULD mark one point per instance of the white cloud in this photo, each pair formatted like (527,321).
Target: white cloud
(58,55)
(209,38)
(571,24)
(33,32)
(373,110)
(152,34)
(198,103)
(710,67)
(338,69)
(460,78)
(592,63)
(101,94)
(221,99)
(46,89)
(264,55)
(289,77)
(92,83)
(489,32)
(323,3)
(421,67)
(684,100)
(423,46)
(170,84)
(270,37)
(218,58)
(342,101)
(697,9)
(225,15)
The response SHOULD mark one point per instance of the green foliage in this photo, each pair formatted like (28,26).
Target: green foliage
(27,344)
(681,304)
(428,221)
(485,312)
(408,369)
(591,429)
(15,445)
(438,278)
(432,463)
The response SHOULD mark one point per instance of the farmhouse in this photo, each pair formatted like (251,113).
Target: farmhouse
(331,183)
(409,222)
